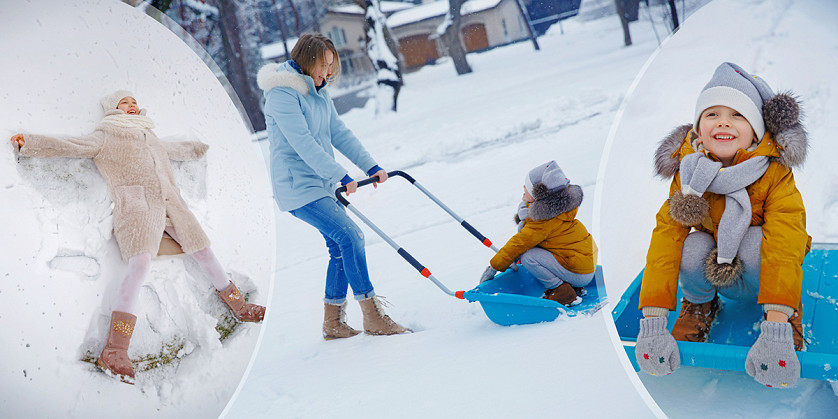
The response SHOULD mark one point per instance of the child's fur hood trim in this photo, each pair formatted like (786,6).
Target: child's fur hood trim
(667,157)
(271,75)
(549,204)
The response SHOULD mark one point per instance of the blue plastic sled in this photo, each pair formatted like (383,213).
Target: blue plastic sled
(515,298)
(510,298)
(737,325)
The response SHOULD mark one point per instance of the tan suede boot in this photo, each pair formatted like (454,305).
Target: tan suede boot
(695,320)
(334,322)
(375,321)
(796,321)
(243,311)
(114,358)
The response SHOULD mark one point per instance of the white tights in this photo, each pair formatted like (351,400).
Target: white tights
(138,267)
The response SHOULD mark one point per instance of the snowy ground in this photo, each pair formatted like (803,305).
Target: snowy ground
(791,44)
(60,265)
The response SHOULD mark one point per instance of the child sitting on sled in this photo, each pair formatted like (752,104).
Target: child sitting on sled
(147,208)
(734,224)
(551,243)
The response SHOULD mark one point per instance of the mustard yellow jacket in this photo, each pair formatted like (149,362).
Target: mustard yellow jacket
(563,235)
(776,206)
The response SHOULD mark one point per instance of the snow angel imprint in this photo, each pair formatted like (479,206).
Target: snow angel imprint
(303,130)
(150,217)
(551,243)
(734,225)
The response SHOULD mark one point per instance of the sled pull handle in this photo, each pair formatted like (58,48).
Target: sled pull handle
(404,253)
(483,239)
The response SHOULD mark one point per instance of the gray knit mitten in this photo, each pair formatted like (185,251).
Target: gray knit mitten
(656,351)
(488,274)
(772,360)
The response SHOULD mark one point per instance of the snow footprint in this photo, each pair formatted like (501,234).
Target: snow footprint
(77,262)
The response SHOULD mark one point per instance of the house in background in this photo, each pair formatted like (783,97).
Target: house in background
(344,25)
(484,24)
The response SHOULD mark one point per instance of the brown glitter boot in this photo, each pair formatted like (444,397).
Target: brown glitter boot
(243,311)
(114,358)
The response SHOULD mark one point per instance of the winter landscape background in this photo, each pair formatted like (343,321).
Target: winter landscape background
(468,139)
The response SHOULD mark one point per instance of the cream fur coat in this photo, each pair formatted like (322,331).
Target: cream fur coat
(136,167)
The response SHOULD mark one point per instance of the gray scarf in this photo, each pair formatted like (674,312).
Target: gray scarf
(700,174)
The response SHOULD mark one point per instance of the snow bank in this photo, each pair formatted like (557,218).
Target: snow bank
(61,266)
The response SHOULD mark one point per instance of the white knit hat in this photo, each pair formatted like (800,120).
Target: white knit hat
(550,174)
(733,87)
(112,100)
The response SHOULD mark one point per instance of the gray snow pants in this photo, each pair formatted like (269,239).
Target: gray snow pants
(695,286)
(545,268)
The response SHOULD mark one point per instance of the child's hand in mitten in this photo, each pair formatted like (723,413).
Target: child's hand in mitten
(18,138)
(488,274)
(772,361)
(656,350)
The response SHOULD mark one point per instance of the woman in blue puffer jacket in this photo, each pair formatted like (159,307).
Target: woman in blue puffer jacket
(304,129)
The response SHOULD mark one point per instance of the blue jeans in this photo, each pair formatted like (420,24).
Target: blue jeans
(345,241)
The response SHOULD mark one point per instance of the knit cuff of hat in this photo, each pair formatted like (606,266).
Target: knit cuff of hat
(346,180)
(650,311)
(788,311)
(375,169)
(652,326)
(734,99)
(776,331)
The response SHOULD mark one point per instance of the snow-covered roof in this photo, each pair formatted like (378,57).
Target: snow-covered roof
(386,7)
(202,8)
(276,50)
(436,9)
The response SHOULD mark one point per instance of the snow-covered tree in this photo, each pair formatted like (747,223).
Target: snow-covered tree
(240,37)
(449,32)
(383,52)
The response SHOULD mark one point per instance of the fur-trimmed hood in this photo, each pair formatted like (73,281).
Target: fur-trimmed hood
(273,75)
(549,204)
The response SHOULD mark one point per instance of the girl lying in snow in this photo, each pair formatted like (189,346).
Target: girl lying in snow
(147,208)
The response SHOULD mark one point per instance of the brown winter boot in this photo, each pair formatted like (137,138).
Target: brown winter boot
(796,321)
(243,311)
(563,294)
(334,322)
(695,320)
(114,357)
(375,321)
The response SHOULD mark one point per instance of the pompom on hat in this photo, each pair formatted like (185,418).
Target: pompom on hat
(751,96)
(110,101)
(549,174)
